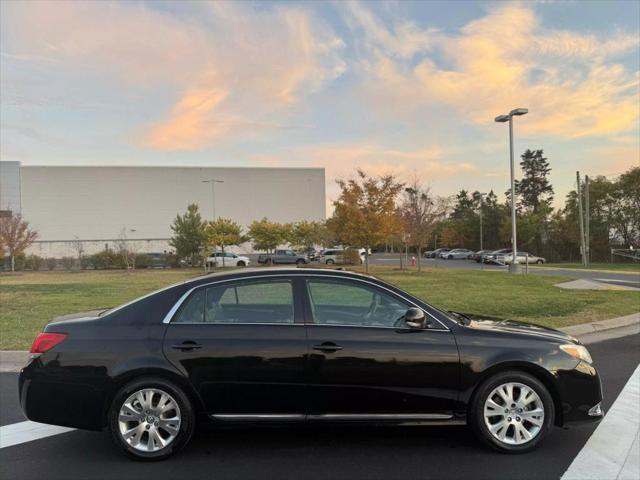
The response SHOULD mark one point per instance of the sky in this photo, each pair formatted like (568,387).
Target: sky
(404,88)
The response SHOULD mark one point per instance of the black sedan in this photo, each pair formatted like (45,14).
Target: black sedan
(302,345)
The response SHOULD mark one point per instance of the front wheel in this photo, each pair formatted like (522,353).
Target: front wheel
(330,262)
(539,262)
(151,419)
(241,264)
(512,412)
(300,262)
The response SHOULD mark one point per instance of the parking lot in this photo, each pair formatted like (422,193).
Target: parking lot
(318,452)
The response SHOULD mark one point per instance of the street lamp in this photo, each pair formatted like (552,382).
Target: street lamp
(213,182)
(482,195)
(513,267)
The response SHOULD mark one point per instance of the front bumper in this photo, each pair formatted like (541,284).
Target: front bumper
(581,393)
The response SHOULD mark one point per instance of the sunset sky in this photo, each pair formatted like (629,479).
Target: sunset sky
(399,87)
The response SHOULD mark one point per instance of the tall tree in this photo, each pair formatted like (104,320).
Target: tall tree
(266,235)
(418,211)
(16,236)
(188,234)
(535,190)
(364,214)
(306,234)
(222,233)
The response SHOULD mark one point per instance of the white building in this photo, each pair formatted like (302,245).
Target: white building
(99,205)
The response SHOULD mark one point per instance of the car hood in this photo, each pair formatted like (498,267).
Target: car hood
(499,325)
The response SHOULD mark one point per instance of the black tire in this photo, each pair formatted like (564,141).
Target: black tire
(330,262)
(241,264)
(300,262)
(539,262)
(187,425)
(476,411)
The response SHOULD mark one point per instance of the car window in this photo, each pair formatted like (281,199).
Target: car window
(342,303)
(240,302)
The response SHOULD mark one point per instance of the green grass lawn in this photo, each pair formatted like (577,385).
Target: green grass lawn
(29,300)
(621,267)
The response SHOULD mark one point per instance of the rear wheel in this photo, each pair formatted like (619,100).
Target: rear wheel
(330,262)
(539,261)
(150,419)
(512,412)
(300,262)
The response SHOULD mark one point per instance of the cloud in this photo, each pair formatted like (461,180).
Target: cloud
(506,59)
(231,66)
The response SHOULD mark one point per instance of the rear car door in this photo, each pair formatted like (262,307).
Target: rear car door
(242,345)
(364,362)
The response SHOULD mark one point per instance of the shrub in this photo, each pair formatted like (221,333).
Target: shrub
(106,259)
(51,263)
(68,262)
(351,257)
(143,260)
(19,262)
(34,262)
(171,260)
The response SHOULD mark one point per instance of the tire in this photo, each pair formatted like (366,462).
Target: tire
(300,262)
(330,262)
(241,264)
(514,419)
(450,257)
(153,389)
(539,262)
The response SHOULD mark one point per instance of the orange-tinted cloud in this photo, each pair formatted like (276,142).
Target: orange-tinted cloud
(236,71)
(570,82)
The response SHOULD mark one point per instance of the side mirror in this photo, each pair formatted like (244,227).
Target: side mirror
(415,318)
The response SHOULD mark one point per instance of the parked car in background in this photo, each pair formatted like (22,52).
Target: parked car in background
(436,253)
(477,256)
(427,253)
(233,348)
(523,257)
(227,259)
(283,257)
(492,256)
(457,254)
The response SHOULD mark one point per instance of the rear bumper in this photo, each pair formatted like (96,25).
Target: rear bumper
(59,400)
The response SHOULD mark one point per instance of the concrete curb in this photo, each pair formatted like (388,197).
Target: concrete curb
(14,360)
(599,326)
(593,270)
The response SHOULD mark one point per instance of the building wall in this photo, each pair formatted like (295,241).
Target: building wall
(10,186)
(100,204)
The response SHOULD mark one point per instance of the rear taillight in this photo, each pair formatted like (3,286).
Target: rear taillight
(46,341)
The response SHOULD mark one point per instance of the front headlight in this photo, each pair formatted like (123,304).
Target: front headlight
(577,351)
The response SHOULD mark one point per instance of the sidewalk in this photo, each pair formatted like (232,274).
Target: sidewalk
(613,450)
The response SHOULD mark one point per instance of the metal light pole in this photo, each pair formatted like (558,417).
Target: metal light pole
(213,182)
(482,195)
(514,267)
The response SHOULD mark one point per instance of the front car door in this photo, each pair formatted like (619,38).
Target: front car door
(242,345)
(364,363)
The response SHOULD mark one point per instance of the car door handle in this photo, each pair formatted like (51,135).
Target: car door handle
(186,346)
(327,347)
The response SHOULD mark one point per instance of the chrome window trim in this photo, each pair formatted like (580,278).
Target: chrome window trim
(243,417)
(169,316)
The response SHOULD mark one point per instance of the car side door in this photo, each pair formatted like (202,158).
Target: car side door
(365,362)
(242,345)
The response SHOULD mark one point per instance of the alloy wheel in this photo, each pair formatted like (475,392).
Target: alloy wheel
(149,420)
(514,413)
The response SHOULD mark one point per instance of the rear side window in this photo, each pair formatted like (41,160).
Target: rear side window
(240,302)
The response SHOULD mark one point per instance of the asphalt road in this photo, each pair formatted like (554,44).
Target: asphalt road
(626,279)
(315,452)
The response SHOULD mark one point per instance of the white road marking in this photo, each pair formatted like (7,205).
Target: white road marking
(23,432)
(608,454)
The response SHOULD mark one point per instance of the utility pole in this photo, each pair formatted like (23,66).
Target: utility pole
(582,245)
(586,219)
